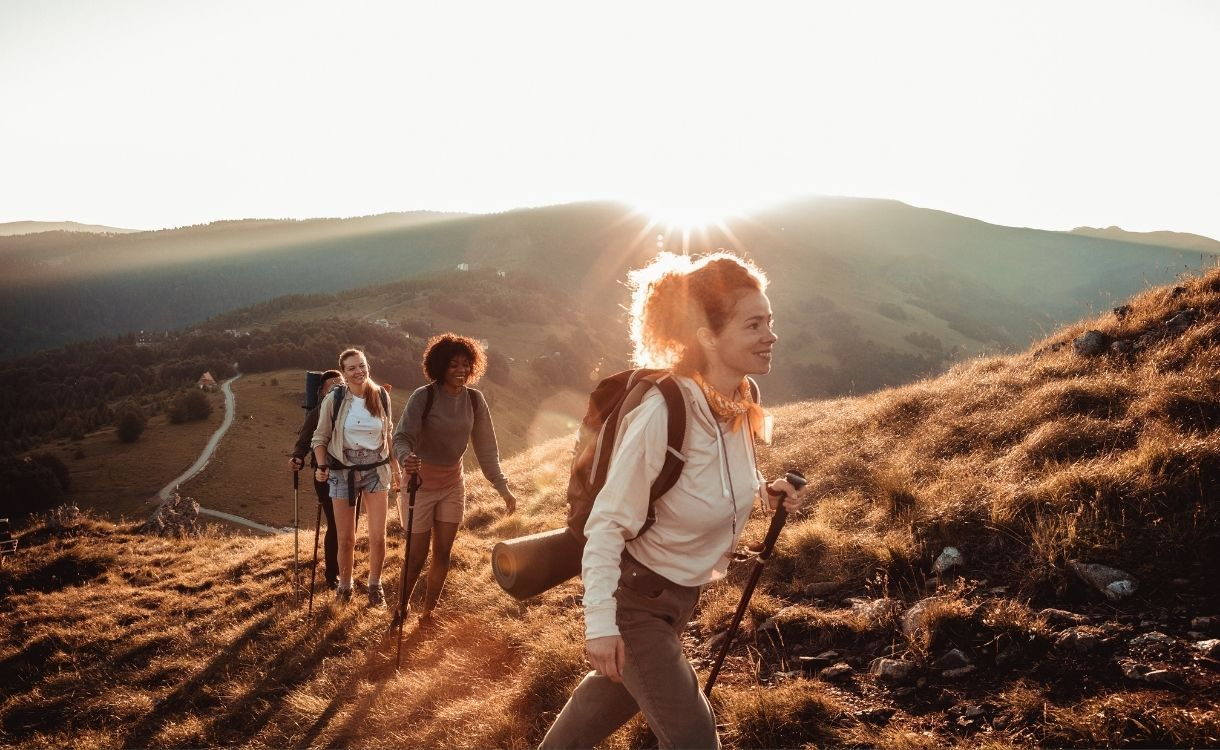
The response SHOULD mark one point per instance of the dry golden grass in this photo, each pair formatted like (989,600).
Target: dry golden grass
(111,639)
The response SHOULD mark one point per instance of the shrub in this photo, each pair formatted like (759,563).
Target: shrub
(190,405)
(130,422)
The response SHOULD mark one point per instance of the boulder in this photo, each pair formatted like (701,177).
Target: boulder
(1091,343)
(1115,584)
(949,558)
(893,671)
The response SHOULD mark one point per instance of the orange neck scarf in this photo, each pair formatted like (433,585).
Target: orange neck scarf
(739,410)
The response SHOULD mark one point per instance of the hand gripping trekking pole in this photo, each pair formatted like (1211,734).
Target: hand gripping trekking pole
(413,484)
(777,522)
(317,528)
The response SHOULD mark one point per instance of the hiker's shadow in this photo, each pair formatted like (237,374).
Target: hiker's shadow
(379,666)
(247,716)
(190,692)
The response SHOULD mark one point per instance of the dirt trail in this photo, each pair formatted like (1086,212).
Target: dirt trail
(230,402)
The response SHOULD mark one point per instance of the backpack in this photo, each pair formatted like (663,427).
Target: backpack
(610,400)
(528,565)
(474,402)
(340,392)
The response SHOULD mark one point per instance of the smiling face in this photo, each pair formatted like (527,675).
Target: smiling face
(457,372)
(743,347)
(355,371)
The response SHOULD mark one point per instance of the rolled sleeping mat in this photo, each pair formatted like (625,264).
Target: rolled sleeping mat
(528,565)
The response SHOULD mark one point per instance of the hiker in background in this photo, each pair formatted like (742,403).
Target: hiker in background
(439,420)
(330,379)
(708,320)
(352,450)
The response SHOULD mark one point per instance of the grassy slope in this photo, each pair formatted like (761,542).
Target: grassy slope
(111,639)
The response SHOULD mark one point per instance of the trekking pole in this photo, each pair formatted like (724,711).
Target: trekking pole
(413,484)
(777,522)
(314,575)
(296,537)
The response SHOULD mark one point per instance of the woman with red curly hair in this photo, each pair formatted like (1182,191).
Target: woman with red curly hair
(708,321)
(440,419)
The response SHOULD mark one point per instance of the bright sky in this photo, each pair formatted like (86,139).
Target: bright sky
(148,114)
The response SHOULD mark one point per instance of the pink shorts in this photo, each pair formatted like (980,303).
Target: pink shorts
(444,504)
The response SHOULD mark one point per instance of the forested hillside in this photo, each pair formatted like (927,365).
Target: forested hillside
(868,293)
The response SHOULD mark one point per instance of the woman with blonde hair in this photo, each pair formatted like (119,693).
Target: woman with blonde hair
(352,449)
(708,321)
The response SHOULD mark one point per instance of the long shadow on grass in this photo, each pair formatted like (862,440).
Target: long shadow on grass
(377,667)
(185,696)
(244,719)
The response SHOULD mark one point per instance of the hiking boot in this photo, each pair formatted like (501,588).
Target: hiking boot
(376,596)
(343,596)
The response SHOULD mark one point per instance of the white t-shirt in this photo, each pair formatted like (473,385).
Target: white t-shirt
(361,429)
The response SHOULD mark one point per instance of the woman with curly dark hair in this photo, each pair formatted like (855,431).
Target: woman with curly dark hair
(439,421)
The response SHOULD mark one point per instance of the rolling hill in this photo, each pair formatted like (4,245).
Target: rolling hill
(868,293)
(1032,466)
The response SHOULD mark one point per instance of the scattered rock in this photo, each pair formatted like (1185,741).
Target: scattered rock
(1203,624)
(949,558)
(975,711)
(913,619)
(814,664)
(1062,617)
(1178,324)
(177,517)
(1209,648)
(821,588)
(953,674)
(953,659)
(1112,582)
(1122,311)
(1079,639)
(1091,343)
(1155,638)
(878,715)
(838,671)
(874,609)
(64,517)
(1122,347)
(893,671)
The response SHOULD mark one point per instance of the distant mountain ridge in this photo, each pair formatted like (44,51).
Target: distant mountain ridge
(8,229)
(1183,240)
(867,292)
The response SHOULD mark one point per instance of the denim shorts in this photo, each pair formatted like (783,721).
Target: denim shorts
(366,481)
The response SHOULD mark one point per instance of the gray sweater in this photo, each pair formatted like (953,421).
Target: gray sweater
(452,424)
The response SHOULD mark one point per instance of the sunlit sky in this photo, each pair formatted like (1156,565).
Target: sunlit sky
(1044,114)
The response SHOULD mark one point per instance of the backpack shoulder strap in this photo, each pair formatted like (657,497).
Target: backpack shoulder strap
(675,439)
(340,393)
(755,394)
(429,395)
(385,401)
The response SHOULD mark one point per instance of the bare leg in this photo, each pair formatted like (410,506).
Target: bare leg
(419,555)
(345,519)
(375,506)
(442,546)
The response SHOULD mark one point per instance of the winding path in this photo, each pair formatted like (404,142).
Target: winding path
(202,461)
